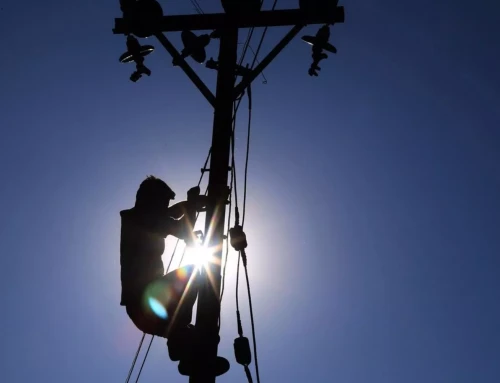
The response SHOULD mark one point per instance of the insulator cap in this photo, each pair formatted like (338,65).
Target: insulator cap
(238,238)
(242,351)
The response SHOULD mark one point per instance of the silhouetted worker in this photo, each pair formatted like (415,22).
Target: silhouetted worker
(158,304)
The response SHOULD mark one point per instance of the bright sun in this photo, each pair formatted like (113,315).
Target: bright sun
(199,256)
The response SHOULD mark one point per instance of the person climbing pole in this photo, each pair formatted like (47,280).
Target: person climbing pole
(158,304)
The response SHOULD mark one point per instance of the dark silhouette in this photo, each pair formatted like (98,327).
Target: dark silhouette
(136,52)
(194,46)
(319,43)
(240,70)
(146,15)
(317,6)
(160,304)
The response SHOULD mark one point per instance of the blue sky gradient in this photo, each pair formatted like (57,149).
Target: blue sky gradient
(373,208)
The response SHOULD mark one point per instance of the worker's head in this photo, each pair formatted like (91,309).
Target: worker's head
(153,193)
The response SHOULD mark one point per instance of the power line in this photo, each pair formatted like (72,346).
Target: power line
(223,282)
(263,37)
(247,153)
(242,253)
(242,256)
(258,62)
(144,360)
(197,7)
(254,337)
(135,358)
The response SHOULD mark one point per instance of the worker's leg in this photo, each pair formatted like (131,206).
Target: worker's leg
(166,304)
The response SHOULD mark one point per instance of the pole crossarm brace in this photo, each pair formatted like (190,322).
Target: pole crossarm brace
(247,80)
(186,68)
(214,21)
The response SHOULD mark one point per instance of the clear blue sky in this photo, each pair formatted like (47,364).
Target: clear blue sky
(374,209)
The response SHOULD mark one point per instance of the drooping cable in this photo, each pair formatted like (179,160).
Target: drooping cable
(233,162)
(197,7)
(240,328)
(135,358)
(223,282)
(252,321)
(247,154)
(226,257)
(144,360)
(241,344)
(240,245)
(246,45)
(258,62)
(262,37)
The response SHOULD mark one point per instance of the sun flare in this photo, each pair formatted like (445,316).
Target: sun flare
(200,256)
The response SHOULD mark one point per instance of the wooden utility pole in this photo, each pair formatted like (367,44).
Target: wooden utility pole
(148,21)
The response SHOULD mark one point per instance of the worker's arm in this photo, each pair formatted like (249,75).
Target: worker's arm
(183,228)
(178,210)
(194,199)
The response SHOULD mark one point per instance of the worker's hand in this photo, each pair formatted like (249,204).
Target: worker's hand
(201,203)
(193,193)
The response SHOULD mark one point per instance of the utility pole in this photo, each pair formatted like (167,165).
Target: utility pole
(144,18)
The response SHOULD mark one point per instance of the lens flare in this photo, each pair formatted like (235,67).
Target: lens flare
(200,256)
(181,274)
(157,308)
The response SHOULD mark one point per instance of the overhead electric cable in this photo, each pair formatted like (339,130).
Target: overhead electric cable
(263,37)
(197,7)
(144,360)
(135,358)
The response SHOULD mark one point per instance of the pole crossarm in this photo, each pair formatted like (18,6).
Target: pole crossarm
(247,80)
(186,68)
(211,21)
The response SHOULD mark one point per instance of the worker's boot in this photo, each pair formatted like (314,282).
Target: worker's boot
(187,357)
(187,367)
(180,343)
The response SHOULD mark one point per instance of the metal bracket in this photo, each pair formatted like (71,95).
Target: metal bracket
(247,80)
(186,68)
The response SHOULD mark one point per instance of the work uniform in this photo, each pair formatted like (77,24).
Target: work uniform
(156,303)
